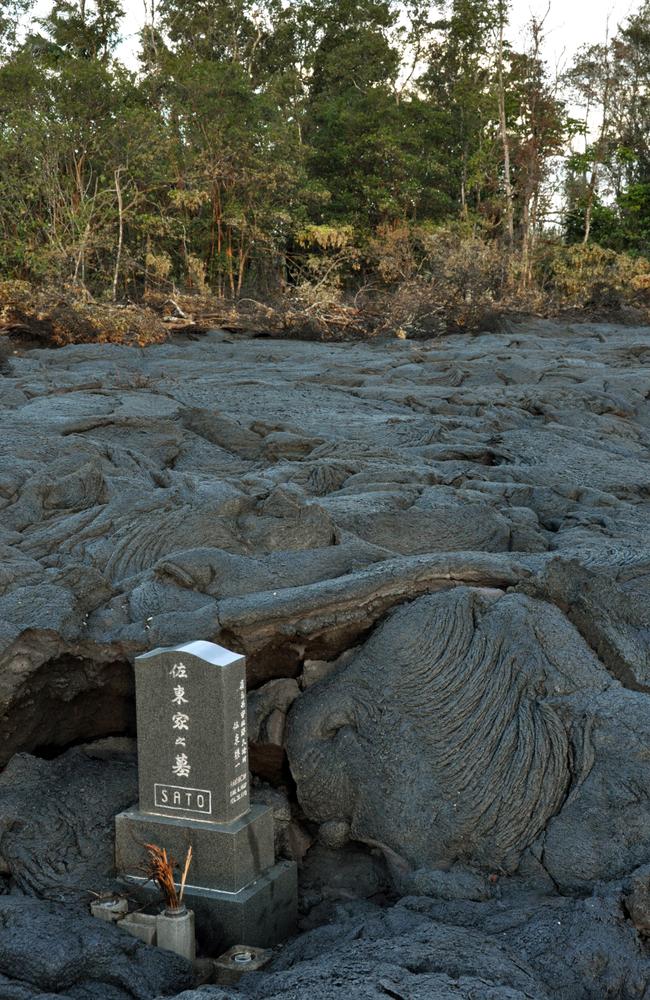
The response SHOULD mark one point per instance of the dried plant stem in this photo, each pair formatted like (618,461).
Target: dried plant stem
(160,869)
(188,862)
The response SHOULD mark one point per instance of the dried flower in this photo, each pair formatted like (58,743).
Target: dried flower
(160,869)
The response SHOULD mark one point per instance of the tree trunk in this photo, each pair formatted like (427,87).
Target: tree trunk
(592,189)
(525,243)
(463,186)
(229,263)
(505,140)
(120,240)
(243,260)
(534,220)
(80,262)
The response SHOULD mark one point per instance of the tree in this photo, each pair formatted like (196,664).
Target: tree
(12,13)
(456,81)
(631,115)
(540,134)
(609,182)
(261,133)
(80,29)
(236,168)
(373,146)
(500,54)
(72,120)
(593,80)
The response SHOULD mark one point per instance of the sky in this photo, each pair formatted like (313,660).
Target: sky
(570,23)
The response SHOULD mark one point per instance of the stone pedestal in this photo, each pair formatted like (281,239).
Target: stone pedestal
(261,914)
(194,792)
(225,856)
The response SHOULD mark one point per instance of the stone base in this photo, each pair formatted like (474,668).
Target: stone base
(225,856)
(240,961)
(261,914)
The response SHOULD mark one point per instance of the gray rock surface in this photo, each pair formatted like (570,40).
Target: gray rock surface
(435,555)
(526,948)
(284,496)
(57,819)
(292,841)
(267,710)
(475,726)
(47,949)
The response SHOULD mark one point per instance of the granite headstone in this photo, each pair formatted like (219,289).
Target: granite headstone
(192,732)
(194,792)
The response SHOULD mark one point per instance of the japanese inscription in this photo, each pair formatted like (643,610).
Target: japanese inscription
(193,732)
(239,785)
(180,722)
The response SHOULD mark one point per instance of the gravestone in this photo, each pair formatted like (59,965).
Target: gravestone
(194,792)
(192,733)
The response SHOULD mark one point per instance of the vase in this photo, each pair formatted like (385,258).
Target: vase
(175,932)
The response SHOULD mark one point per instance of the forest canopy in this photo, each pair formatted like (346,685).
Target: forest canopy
(323,149)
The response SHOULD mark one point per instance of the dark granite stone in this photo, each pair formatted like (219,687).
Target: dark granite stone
(224,856)
(194,792)
(192,732)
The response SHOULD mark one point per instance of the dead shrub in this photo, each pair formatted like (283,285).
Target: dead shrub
(56,318)
(457,285)
(197,274)
(640,284)
(159,267)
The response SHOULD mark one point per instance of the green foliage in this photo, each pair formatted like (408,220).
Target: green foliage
(81,30)
(265,146)
(589,276)
(611,177)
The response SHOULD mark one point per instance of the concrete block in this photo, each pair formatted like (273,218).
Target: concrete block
(142,926)
(238,961)
(111,910)
(175,932)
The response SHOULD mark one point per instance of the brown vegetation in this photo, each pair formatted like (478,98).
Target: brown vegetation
(422,284)
(161,870)
(56,318)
